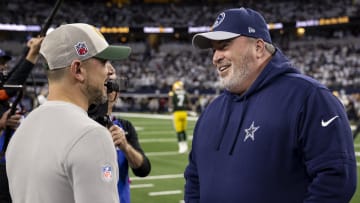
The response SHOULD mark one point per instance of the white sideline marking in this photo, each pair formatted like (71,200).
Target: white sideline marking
(171,132)
(357,145)
(159,177)
(149,140)
(141,186)
(142,115)
(170,192)
(138,128)
(162,153)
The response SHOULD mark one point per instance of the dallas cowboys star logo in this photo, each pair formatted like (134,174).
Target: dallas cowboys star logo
(250,132)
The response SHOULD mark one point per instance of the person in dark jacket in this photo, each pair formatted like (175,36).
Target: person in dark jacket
(273,134)
(128,149)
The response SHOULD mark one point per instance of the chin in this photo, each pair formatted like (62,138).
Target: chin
(224,83)
(104,99)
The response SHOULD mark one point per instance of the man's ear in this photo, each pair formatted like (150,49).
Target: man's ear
(77,70)
(260,48)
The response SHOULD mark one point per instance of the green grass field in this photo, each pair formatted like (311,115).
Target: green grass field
(165,184)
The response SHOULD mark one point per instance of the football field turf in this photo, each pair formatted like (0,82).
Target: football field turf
(165,184)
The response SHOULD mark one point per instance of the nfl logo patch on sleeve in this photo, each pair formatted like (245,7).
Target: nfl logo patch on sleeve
(106,173)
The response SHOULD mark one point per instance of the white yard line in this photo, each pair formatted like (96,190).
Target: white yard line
(153,132)
(159,177)
(156,116)
(169,192)
(133,186)
(163,153)
(149,140)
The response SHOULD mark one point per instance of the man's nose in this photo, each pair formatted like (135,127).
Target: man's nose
(217,57)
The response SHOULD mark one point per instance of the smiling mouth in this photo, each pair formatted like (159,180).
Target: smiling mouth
(223,68)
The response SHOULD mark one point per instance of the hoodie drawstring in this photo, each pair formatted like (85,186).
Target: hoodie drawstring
(238,131)
(227,108)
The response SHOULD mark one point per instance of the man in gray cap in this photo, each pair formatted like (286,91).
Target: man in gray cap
(58,154)
(273,135)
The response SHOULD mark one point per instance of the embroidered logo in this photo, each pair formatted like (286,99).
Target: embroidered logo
(251,30)
(250,132)
(326,123)
(106,172)
(81,48)
(219,20)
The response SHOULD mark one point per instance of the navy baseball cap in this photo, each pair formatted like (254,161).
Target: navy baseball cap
(232,23)
(4,55)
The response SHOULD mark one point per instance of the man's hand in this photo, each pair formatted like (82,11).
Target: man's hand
(11,122)
(135,159)
(119,138)
(34,48)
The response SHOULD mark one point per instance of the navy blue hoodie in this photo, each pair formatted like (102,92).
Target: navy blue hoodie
(285,140)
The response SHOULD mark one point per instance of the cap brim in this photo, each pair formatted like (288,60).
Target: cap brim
(113,52)
(203,40)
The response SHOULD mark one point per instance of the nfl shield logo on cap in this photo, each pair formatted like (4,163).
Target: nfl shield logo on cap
(81,48)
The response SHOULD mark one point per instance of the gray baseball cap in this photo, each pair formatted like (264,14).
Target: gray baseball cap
(78,41)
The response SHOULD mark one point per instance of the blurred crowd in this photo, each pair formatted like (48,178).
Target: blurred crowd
(335,65)
(181,14)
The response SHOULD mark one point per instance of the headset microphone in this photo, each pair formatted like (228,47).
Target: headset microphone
(118,85)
